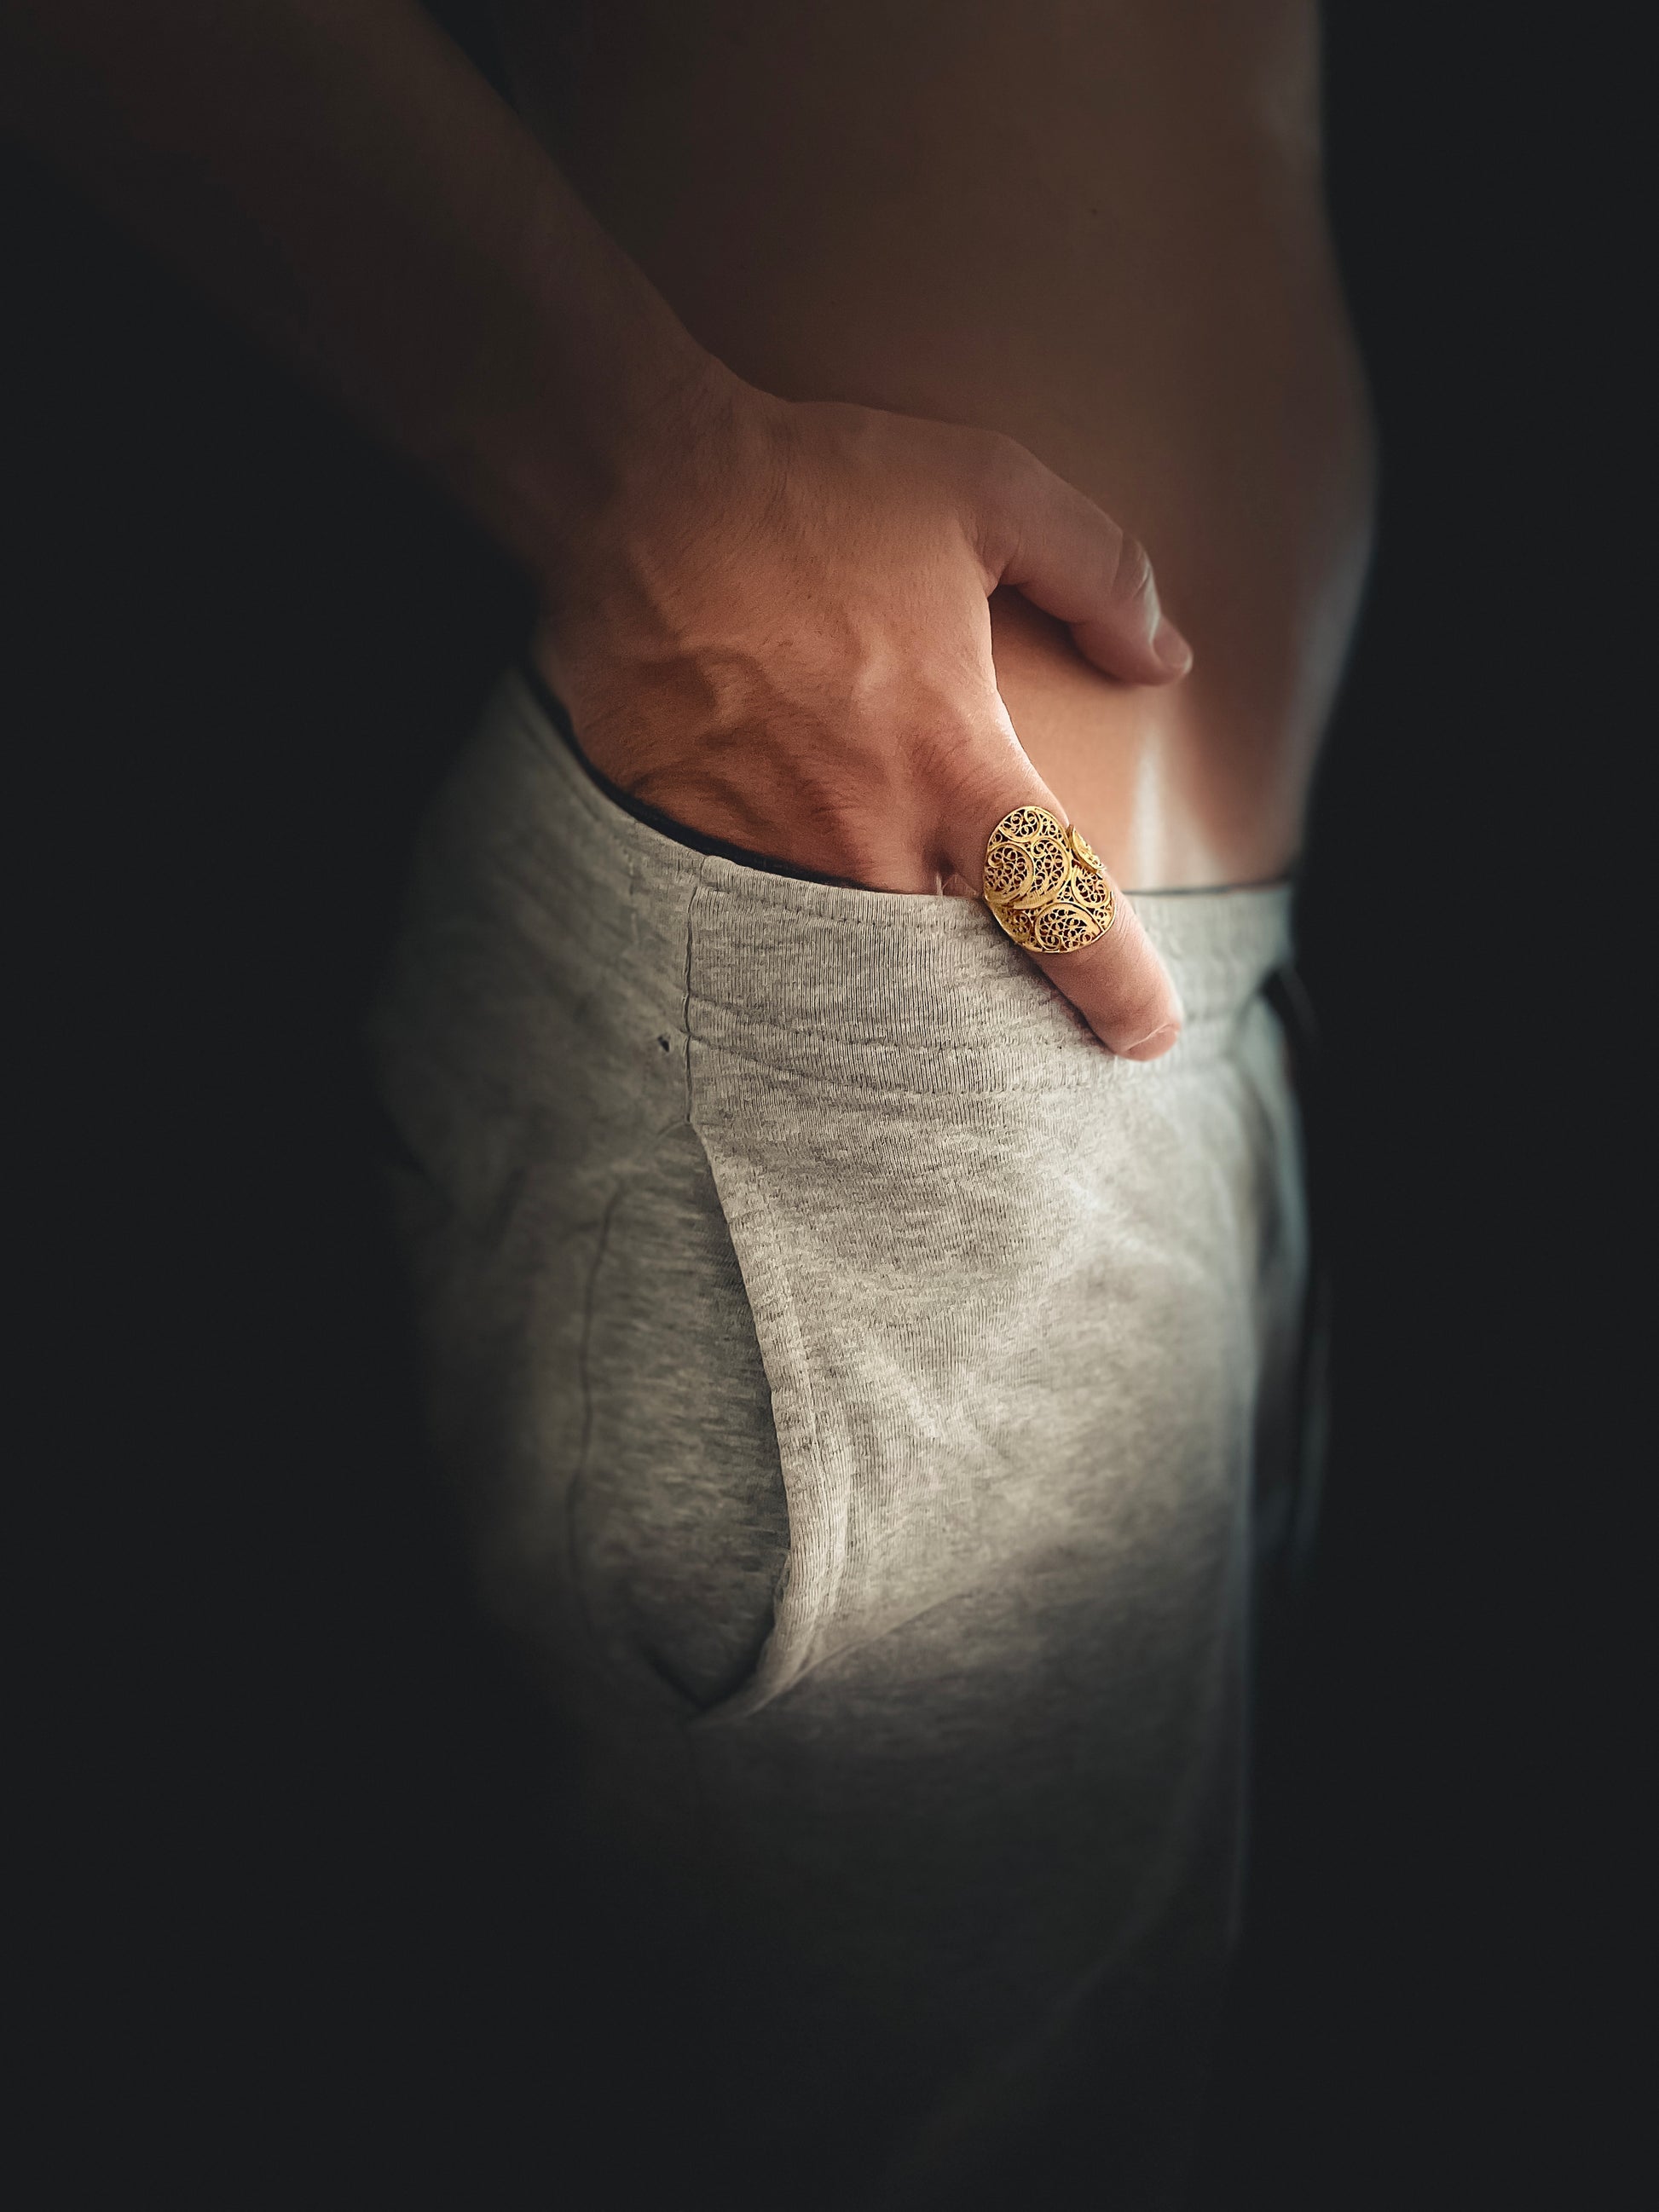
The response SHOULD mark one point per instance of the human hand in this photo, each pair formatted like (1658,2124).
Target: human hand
(776,629)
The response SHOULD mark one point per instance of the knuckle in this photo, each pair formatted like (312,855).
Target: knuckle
(956,734)
(1132,576)
(971,793)
(1006,468)
(1002,450)
(1002,486)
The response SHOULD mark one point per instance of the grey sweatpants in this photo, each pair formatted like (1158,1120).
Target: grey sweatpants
(865,1389)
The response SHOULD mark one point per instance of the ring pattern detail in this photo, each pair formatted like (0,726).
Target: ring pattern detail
(1045,883)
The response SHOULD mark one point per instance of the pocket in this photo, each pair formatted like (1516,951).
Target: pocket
(679,1521)
(556,717)
(815,1485)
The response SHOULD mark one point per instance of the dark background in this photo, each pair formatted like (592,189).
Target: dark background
(291,1909)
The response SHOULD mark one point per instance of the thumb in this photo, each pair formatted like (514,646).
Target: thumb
(1117,982)
(1049,541)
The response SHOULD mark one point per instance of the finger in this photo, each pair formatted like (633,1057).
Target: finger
(1043,536)
(1119,987)
(1118,984)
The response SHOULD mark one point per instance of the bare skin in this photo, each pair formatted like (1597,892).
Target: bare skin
(824,483)
(1100,230)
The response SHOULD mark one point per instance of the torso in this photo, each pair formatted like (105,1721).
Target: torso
(1099,228)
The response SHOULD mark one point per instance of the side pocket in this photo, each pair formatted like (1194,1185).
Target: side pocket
(679,1517)
(817,1488)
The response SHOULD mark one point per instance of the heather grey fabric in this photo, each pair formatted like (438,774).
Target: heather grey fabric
(863,1385)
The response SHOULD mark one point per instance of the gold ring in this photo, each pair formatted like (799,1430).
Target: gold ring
(1045,884)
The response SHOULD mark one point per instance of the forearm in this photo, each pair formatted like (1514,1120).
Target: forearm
(339,177)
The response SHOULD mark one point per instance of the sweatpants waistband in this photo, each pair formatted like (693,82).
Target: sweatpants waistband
(882,988)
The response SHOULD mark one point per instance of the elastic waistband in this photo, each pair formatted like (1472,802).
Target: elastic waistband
(891,987)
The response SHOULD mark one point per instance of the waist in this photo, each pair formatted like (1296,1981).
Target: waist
(1104,238)
(880,991)
(1224,422)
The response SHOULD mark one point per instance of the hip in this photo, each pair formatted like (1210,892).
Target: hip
(998,1296)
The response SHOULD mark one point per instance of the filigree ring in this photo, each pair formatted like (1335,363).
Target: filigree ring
(1045,884)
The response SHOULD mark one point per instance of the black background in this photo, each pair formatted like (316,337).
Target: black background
(291,1908)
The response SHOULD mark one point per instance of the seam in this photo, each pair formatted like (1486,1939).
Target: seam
(575,1488)
(1167,1069)
(685,1011)
(804,895)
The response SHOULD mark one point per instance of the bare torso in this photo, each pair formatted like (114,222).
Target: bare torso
(1098,227)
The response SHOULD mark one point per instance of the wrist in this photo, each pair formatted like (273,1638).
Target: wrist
(680,427)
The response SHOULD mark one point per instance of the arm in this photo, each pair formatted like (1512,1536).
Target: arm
(338,176)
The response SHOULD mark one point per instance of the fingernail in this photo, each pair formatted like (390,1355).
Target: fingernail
(1153,1047)
(1171,649)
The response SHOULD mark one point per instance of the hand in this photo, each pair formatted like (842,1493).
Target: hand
(776,629)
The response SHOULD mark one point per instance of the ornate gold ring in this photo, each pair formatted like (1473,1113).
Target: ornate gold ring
(1045,884)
